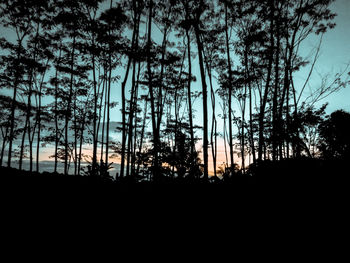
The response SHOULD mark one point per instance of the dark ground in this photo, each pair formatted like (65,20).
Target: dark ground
(279,213)
(286,180)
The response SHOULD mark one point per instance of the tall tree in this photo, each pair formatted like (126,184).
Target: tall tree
(229,69)
(198,11)
(15,15)
(151,92)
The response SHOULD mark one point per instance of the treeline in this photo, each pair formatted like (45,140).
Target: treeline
(65,58)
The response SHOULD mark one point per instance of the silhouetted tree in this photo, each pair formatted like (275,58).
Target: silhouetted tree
(334,141)
(198,10)
(17,16)
(59,71)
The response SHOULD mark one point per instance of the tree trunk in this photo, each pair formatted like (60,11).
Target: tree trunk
(94,131)
(251,127)
(205,107)
(13,107)
(262,146)
(189,96)
(75,143)
(131,116)
(103,94)
(22,144)
(133,98)
(56,113)
(122,159)
(133,157)
(108,107)
(38,133)
(275,117)
(4,136)
(68,113)
(81,141)
(230,141)
(213,137)
(242,131)
(224,133)
(151,92)
(141,137)
(39,117)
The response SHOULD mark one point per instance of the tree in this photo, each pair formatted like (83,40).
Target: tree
(152,94)
(334,142)
(230,81)
(185,24)
(58,75)
(135,9)
(197,23)
(16,15)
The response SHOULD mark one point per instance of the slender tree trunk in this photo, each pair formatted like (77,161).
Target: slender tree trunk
(103,94)
(110,67)
(108,107)
(285,94)
(13,107)
(122,160)
(56,113)
(230,139)
(213,136)
(94,131)
(160,96)
(251,127)
(252,144)
(81,140)
(22,145)
(38,133)
(190,114)
(75,135)
(27,127)
(141,137)
(175,141)
(287,119)
(131,116)
(275,121)
(133,157)
(242,130)
(205,107)
(151,92)
(160,102)
(29,107)
(133,98)
(39,117)
(68,109)
(224,133)
(31,150)
(262,146)
(295,141)
(3,145)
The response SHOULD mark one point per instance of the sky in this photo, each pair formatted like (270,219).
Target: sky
(334,57)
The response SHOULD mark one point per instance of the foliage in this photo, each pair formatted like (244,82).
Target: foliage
(334,136)
(71,67)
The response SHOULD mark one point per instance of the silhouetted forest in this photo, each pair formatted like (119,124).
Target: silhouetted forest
(69,68)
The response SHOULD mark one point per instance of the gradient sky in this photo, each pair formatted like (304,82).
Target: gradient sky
(335,54)
(334,57)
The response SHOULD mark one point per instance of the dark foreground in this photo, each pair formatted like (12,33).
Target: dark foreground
(274,202)
(292,179)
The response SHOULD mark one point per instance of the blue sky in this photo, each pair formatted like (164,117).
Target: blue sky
(334,56)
